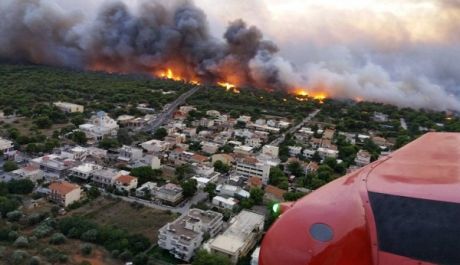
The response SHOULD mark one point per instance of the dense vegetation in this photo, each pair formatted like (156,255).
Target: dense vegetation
(24,87)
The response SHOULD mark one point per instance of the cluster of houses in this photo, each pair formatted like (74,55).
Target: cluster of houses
(239,144)
(187,233)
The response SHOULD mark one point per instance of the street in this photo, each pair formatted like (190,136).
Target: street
(281,138)
(166,114)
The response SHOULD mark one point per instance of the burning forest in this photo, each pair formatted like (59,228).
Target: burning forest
(172,40)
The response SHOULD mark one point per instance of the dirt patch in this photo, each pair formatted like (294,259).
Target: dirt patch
(145,221)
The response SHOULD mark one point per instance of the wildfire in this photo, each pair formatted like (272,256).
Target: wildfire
(229,87)
(170,74)
(303,95)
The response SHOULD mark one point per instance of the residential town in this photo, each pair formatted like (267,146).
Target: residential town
(215,170)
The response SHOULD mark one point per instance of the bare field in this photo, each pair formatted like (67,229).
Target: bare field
(145,221)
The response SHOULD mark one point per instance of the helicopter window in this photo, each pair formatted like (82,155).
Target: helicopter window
(421,229)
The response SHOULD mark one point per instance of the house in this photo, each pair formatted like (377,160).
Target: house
(84,171)
(213,113)
(243,149)
(251,166)
(308,153)
(232,191)
(31,172)
(224,158)
(106,177)
(97,153)
(327,152)
(170,194)
(380,117)
(209,147)
(156,146)
(185,235)
(255,142)
(6,146)
(126,182)
(148,188)
(75,153)
(100,126)
(315,142)
(245,119)
(363,158)
(273,193)
(240,237)
(69,107)
(64,193)
(186,109)
(224,203)
(271,150)
(129,154)
(295,150)
(54,166)
(312,167)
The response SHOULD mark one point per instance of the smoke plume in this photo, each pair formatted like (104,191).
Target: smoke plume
(158,35)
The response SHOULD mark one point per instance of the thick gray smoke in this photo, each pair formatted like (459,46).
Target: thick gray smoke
(157,35)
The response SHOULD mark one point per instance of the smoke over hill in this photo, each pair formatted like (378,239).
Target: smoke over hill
(154,36)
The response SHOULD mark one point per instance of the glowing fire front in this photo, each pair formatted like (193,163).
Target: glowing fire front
(303,95)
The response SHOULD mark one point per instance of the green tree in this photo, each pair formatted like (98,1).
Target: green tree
(93,192)
(7,205)
(203,257)
(79,137)
(189,187)
(257,195)
(20,186)
(220,167)
(108,143)
(296,169)
(211,190)
(278,178)
(293,196)
(9,166)
(145,174)
(43,122)
(183,171)
(160,133)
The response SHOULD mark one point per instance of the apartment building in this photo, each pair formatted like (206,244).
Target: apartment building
(183,236)
(250,167)
(240,237)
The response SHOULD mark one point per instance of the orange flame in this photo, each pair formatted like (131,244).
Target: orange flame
(303,95)
(229,87)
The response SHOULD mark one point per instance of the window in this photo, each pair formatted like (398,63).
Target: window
(417,228)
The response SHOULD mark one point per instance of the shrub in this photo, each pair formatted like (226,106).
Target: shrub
(90,235)
(126,255)
(63,258)
(115,253)
(21,242)
(14,216)
(34,261)
(13,235)
(42,230)
(57,239)
(34,219)
(86,249)
(18,257)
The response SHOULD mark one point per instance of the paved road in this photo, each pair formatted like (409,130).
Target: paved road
(180,209)
(293,129)
(167,114)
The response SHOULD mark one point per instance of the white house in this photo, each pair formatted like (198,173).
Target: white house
(129,154)
(99,126)
(225,203)
(362,158)
(271,150)
(69,107)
